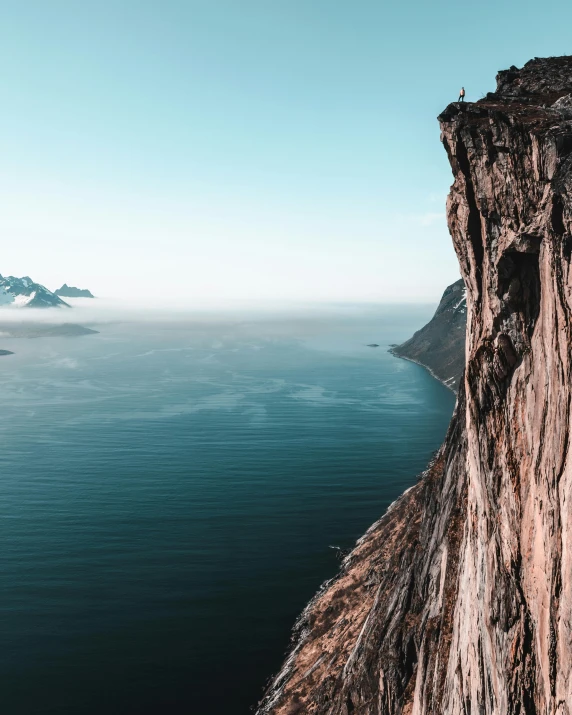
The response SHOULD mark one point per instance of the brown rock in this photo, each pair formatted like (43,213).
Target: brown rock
(459,600)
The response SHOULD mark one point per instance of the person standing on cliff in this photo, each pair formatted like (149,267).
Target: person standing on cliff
(461,95)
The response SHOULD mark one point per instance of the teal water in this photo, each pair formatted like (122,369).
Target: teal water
(170,490)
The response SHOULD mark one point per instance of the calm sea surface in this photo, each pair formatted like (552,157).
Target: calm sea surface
(170,491)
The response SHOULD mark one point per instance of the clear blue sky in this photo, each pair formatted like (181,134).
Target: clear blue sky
(249,149)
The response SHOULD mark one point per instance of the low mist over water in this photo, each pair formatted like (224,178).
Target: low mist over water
(171,488)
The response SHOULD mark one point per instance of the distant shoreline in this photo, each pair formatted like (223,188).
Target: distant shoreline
(426,367)
(44,330)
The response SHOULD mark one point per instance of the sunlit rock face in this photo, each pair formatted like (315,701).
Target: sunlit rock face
(460,599)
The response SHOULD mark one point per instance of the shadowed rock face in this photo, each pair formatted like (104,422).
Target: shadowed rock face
(460,599)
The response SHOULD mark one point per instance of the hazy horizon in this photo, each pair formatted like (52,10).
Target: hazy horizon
(112,310)
(250,151)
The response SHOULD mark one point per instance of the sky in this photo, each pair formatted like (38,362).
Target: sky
(213,151)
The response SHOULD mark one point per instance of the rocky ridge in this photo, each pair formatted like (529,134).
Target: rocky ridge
(24,292)
(440,345)
(67,291)
(459,600)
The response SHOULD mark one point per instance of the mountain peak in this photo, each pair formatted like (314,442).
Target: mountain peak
(67,291)
(459,599)
(26,293)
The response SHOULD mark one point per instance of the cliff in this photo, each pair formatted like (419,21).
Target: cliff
(459,599)
(440,345)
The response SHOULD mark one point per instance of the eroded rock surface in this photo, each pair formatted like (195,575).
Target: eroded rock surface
(459,600)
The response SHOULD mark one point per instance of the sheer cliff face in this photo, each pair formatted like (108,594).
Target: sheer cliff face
(509,214)
(460,599)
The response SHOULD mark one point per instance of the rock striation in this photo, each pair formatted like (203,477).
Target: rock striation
(459,600)
(440,345)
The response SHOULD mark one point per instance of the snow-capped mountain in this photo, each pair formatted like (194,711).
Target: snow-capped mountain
(24,292)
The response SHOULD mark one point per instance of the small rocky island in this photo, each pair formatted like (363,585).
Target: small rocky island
(5,352)
(44,330)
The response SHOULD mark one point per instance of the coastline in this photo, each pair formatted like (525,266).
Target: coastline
(426,367)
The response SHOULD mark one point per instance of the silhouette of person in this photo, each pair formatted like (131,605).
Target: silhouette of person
(461,95)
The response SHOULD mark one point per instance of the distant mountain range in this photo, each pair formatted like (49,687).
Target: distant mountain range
(67,291)
(440,345)
(26,293)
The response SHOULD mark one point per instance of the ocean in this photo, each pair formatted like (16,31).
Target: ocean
(171,490)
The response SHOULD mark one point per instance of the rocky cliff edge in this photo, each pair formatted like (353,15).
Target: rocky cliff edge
(459,600)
